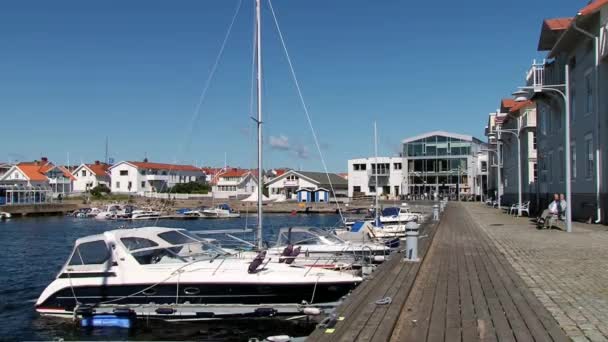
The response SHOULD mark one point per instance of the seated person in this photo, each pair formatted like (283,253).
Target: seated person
(561,208)
(553,209)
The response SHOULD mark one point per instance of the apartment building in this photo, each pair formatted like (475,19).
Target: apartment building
(363,173)
(140,177)
(578,44)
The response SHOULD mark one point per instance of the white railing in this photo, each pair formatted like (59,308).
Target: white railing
(604,41)
(535,75)
(174,196)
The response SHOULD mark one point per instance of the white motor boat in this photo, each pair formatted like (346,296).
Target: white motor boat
(112,211)
(221,211)
(4,215)
(292,255)
(173,274)
(144,214)
(319,243)
(399,215)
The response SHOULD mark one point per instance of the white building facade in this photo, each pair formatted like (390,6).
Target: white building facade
(234,183)
(363,172)
(142,177)
(88,176)
(305,186)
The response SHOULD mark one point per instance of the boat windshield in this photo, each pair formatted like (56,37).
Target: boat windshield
(390,211)
(185,247)
(313,236)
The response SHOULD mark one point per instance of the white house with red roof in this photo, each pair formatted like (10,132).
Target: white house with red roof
(234,183)
(88,176)
(141,177)
(40,174)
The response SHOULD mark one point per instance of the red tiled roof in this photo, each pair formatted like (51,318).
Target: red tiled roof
(32,171)
(100,170)
(235,173)
(507,103)
(593,7)
(162,166)
(520,105)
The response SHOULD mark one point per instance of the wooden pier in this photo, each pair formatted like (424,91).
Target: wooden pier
(39,209)
(463,290)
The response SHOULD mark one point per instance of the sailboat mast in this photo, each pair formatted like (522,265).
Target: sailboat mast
(376,171)
(258,28)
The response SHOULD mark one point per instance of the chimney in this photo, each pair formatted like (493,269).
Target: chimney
(44,159)
(145,160)
(97,162)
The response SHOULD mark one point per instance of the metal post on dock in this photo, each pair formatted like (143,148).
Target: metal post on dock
(411,241)
(435,212)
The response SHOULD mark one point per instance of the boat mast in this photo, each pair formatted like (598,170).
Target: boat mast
(258,34)
(376,172)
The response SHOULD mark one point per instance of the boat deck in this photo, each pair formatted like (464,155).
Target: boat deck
(464,290)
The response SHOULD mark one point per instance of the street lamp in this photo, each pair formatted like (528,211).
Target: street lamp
(515,132)
(564,91)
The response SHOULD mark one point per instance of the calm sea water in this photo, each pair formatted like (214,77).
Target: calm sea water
(33,250)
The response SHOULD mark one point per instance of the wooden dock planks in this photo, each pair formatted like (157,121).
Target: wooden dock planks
(477,296)
(364,320)
(464,290)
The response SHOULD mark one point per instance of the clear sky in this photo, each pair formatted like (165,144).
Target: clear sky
(74,72)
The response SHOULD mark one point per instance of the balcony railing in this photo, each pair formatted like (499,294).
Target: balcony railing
(535,75)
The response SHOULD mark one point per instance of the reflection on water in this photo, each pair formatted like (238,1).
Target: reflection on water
(34,249)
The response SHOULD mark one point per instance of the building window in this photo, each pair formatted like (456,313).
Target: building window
(84,173)
(534,140)
(397,166)
(535,167)
(588,93)
(143,184)
(573,160)
(589,154)
(142,172)
(118,185)
(357,189)
(484,166)
(124,172)
(372,189)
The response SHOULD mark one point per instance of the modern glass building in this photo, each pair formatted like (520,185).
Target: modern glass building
(446,163)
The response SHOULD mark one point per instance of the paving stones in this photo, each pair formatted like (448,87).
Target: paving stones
(567,272)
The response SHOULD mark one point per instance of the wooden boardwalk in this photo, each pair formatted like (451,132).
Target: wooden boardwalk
(363,319)
(464,290)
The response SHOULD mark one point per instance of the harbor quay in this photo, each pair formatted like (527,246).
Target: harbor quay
(484,276)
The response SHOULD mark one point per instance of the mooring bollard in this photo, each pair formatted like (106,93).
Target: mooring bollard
(435,212)
(411,241)
(441,206)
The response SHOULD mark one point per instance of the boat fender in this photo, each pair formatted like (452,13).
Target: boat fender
(379,258)
(84,310)
(265,312)
(278,338)
(259,259)
(294,253)
(312,311)
(165,311)
(286,253)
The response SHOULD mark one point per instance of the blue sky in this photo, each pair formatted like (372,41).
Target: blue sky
(74,72)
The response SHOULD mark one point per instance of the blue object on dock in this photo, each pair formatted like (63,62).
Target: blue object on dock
(357,226)
(113,321)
